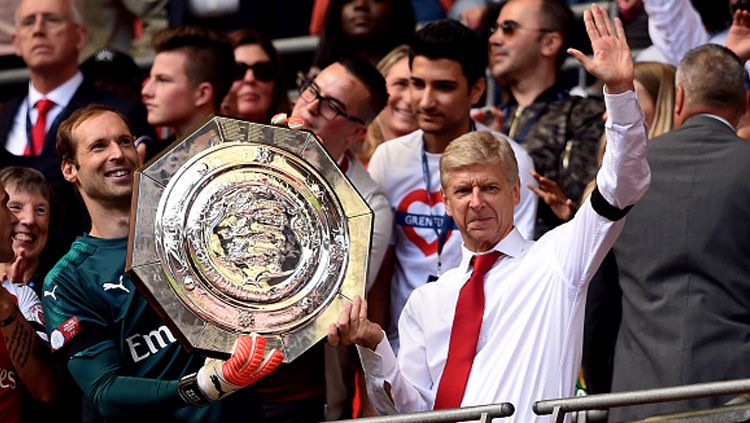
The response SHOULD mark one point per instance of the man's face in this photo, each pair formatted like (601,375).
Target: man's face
(349,95)
(30,232)
(105,160)
(440,95)
(481,201)
(7,221)
(169,96)
(514,53)
(45,34)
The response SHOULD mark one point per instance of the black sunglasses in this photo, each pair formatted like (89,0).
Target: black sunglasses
(509,27)
(263,71)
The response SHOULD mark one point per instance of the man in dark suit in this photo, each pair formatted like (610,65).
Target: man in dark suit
(49,34)
(683,254)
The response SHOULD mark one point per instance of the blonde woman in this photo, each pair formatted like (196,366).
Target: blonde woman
(397,118)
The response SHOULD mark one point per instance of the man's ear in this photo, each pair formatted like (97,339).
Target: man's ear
(15,42)
(83,37)
(359,134)
(204,94)
(679,103)
(475,94)
(69,171)
(517,191)
(551,43)
(142,150)
(446,203)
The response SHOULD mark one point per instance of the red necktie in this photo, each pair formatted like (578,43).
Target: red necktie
(37,131)
(464,334)
(447,5)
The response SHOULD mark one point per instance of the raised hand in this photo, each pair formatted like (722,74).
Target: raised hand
(738,38)
(17,269)
(550,192)
(613,60)
(353,327)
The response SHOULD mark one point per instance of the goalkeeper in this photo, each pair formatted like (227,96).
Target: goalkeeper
(118,350)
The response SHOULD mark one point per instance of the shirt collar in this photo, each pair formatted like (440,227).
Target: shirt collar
(512,246)
(61,95)
(719,118)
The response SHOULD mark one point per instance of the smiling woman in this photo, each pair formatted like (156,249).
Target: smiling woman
(29,200)
(397,118)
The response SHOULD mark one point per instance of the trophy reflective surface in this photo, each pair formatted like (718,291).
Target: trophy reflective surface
(241,228)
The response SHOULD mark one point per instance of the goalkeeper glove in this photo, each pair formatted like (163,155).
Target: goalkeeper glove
(217,378)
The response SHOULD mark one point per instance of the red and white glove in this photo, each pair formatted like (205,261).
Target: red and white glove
(217,378)
(293,122)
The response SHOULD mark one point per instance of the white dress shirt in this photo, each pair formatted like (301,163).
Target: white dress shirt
(529,346)
(397,167)
(17,136)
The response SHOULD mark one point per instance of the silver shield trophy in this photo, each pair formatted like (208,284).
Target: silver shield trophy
(241,228)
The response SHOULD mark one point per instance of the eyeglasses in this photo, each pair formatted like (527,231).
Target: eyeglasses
(328,107)
(50,21)
(263,71)
(509,27)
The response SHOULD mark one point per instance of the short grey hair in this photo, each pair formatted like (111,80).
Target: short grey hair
(75,14)
(712,75)
(479,148)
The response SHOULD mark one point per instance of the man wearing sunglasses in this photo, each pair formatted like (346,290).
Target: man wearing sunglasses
(192,72)
(560,131)
(337,104)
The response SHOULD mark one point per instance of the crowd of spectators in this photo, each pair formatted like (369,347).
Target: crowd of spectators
(598,239)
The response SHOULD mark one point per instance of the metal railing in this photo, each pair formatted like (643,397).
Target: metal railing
(559,407)
(483,413)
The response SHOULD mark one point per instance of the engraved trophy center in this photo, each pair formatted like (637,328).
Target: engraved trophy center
(242,228)
(256,234)
(243,242)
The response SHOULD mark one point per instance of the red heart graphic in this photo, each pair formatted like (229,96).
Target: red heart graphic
(420,196)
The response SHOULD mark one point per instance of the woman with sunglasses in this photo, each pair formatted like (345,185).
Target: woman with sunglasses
(260,91)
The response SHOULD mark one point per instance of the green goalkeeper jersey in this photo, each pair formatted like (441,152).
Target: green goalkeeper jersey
(119,351)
